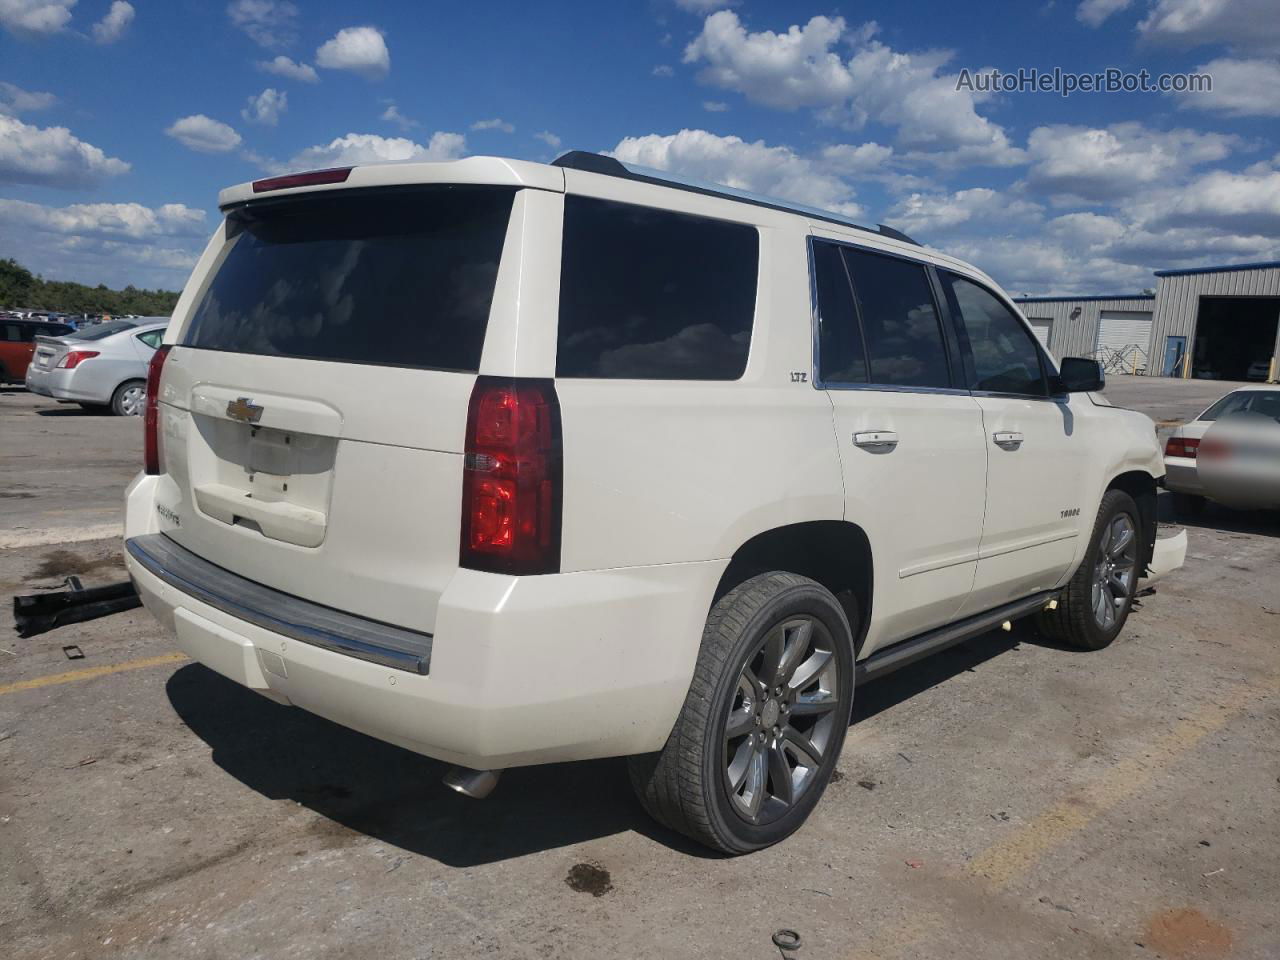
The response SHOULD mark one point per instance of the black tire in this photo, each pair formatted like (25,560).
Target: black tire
(686,785)
(1188,504)
(1075,621)
(129,398)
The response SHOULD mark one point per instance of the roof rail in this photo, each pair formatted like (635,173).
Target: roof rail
(613,167)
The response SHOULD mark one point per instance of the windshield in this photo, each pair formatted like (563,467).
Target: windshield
(397,278)
(100,331)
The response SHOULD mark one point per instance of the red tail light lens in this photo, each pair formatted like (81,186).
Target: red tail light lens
(512,477)
(1214,448)
(151,415)
(1182,447)
(75,358)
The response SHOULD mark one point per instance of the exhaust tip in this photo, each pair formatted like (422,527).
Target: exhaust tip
(476,784)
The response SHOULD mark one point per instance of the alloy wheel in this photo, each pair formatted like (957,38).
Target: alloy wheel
(781,719)
(1113,573)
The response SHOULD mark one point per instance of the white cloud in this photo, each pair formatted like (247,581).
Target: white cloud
(35,16)
(112,27)
(1241,203)
(393,115)
(1247,24)
(1097,165)
(778,171)
(111,243)
(1095,12)
(663,70)
(269,23)
(204,134)
(15,100)
(282,66)
(714,106)
(130,221)
(862,159)
(1241,88)
(361,50)
(801,69)
(495,124)
(982,208)
(51,157)
(265,108)
(549,138)
(356,148)
(705,6)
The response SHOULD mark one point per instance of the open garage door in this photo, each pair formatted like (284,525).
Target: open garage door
(1235,338)
(1124,341)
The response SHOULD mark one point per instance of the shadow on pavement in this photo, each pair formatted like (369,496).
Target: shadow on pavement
(395,795)
(1212,516)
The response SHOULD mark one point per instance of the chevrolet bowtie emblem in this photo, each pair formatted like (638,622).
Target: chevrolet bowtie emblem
(242,408)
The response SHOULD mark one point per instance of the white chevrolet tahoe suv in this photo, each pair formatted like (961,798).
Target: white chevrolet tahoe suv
(510,463)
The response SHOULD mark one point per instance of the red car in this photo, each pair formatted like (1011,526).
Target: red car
(17,344)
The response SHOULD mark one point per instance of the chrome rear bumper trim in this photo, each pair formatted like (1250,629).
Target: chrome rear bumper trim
(279,612)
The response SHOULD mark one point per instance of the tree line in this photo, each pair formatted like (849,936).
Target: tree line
(21,289)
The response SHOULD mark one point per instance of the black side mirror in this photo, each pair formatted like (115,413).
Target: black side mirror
(1079,375)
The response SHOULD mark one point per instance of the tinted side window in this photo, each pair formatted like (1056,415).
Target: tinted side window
(12,332)
(653,295)
(842,357)
(1005,358)
(900,321)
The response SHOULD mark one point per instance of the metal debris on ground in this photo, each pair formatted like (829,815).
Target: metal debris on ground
(39,613)
(73,652)
(786,940)
(867,784)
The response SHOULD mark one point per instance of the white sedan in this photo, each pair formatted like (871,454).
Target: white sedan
(1229,454)
(102,367)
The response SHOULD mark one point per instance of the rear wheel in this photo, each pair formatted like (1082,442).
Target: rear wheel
(764,720)
(1095,604)
(129,398)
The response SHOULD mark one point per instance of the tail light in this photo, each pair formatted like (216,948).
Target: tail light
(1182,447)
(151,416)
(75,358)
(309,179)
(512,477)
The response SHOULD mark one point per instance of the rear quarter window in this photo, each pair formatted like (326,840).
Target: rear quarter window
(650,294)
(396,278)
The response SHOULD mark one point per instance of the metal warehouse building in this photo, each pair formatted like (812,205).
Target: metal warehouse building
(1219,323)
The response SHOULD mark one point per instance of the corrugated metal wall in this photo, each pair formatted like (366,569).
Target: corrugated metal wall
(1076,337)
(1178,300)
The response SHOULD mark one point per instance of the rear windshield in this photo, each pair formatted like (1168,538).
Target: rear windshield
(398,278)
(1265,402)
(100,330)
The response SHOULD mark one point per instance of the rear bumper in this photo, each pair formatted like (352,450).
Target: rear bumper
(58,384)
(1180,476)
(522,670)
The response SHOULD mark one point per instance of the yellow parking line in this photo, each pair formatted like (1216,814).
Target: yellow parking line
(90,673)
(1006,861)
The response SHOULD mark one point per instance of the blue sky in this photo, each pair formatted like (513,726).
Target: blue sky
(120,121)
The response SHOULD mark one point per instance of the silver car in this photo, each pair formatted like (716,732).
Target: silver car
(99,367)
(1229,454)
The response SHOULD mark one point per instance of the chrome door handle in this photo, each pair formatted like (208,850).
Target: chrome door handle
(1007,438)
(876,439)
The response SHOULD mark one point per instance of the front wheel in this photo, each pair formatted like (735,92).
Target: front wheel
(764,720)
(1095,604)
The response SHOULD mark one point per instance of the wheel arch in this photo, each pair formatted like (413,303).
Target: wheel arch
(1142,487)
(835,553)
